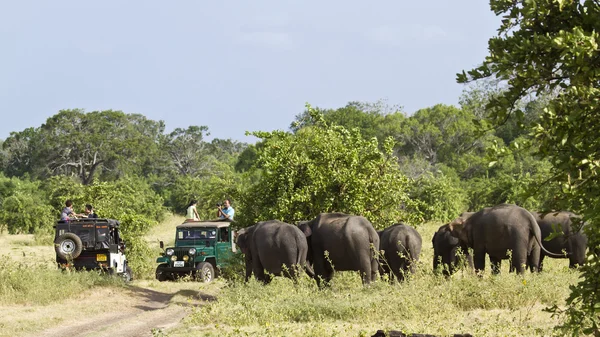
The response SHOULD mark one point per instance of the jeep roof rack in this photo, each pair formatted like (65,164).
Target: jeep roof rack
(205,223)
(110,222)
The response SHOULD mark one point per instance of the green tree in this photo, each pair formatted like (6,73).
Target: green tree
(372,119)
(325,168)
(79,144)
(551,48)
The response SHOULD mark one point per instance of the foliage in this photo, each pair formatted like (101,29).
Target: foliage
(206,190)
(439,198)
(75,143)
(325,168)
(22,206)
(372,119)
(551,48)
(42,284)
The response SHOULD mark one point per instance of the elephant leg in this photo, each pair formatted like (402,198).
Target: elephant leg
(533,259)
(319,266)
(496,265)
(479,260)
(541,264)
(248,268)
(519,259)
(258,270)
(374,268)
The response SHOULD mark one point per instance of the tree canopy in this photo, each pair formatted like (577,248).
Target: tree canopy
(550,48)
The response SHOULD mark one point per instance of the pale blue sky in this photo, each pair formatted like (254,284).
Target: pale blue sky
(232,65)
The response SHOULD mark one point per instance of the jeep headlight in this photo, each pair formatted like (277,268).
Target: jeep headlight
(192,251)
(170,252)
(173,258)
(186,258)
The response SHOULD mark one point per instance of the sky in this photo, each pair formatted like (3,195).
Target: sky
(234,66)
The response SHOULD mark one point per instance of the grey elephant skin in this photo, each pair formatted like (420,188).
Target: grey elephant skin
(401,245)
(277,247)
(495,231)
(447,249)
(350,241)
(574,243)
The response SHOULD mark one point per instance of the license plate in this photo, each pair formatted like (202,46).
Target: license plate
(178,264)
(100,257)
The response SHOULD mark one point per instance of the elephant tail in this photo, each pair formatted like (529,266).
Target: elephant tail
(538,236)
(302,257)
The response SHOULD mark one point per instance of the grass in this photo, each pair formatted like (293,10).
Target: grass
(502,305)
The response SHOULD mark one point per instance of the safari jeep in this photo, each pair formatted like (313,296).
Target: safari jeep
(201,249)
(87,244)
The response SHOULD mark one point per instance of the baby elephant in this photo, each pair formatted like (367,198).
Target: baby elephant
(274,246)
(401,246)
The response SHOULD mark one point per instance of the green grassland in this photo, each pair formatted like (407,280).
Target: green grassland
(502,305)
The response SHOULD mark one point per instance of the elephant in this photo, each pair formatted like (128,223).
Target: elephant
(342,242)
(446,247)
(495,231)
(275,246)
(401,246)
(573,243)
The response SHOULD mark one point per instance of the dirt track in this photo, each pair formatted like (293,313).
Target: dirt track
(134,311)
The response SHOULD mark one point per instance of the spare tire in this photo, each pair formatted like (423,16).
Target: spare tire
(68,246)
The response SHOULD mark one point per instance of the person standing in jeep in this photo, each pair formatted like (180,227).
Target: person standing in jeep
(225,211)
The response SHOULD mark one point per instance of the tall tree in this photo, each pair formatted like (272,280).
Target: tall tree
(551,47)
(80,144)
(324,168)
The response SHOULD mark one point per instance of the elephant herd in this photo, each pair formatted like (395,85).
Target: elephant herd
(342,242)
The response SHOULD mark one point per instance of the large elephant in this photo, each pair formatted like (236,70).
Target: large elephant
(274,246)
(401,246)
(338,241)
(495,231)
(574,244)
(447,248)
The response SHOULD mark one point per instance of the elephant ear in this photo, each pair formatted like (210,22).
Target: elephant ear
(456,226)
(305,228)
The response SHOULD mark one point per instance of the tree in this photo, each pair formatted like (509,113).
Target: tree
(324,168)
(372,119)
(75,143)
(550,47)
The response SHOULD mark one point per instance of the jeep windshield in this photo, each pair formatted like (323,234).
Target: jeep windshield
(196,234)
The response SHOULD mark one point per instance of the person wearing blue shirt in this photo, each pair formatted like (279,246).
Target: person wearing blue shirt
(225,211)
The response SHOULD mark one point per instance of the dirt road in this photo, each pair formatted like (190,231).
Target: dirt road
(133,311)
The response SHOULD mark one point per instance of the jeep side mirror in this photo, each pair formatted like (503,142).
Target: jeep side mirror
(162,245)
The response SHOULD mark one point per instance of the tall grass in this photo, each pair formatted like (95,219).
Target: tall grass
(40,284)
(501,305)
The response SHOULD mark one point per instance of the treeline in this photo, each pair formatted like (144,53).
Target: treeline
(364,158)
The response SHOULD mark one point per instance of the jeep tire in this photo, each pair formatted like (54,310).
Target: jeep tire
(127,274)
(205,272)
(161,275)
(68,246)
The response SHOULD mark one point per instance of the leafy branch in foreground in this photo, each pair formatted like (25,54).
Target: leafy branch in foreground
(550,48)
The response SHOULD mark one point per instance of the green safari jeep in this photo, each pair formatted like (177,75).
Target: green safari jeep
(201,249)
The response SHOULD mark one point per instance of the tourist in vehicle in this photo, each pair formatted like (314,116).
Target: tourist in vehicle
(68,213)
(89,212)
(225,211)
(192,213)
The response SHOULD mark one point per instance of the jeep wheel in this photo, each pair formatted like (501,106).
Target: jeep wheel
(160,273)
(68,246)
(127,274)
(205,272)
